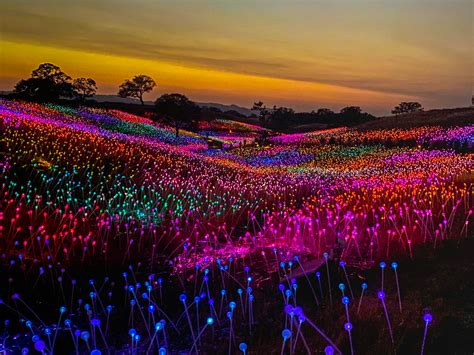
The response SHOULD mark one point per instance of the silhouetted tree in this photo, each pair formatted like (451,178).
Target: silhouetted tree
(83,88)
(262,110)
(351,110)
(281,117)
(178,110)
(352,115)
(407,107)
(137,87)
(324,112)
(47,83)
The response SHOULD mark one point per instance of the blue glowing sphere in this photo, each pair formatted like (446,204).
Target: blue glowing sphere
(62,309)
(210,321)
(364,286)
(222,292)
(137,337)
(382,264)
(232,305)
(342,263)
(282,264)
(158,326)
(348,326)
(345,300)
(381,295)
(35,338)
(132,332)
(151,308)
(67,322)
(162,351)
(281,287)
(182,297)
(394,265)
(109,308)
(428,318)
(211,301)
(243,347)
(229,315)
(286,333)
(298,311)
(342,287)
(318,274)
(240,291)
(287,293)
(85,335)
(47,331)
(329,350)
(326,255)
(196,299)
(96,352)
(40,345)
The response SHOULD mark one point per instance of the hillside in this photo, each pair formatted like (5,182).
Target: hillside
(443,117)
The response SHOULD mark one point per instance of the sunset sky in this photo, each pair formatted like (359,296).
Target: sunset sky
(304,54)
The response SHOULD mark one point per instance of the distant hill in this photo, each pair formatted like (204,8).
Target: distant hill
(242,110)
(114,98)
(442,117)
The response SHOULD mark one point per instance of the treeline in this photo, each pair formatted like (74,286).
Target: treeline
(48,83)
(283,117)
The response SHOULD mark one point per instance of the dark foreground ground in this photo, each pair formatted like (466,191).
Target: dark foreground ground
(439,281)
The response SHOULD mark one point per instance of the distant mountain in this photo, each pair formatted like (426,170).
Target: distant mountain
(242,110)
(114,98)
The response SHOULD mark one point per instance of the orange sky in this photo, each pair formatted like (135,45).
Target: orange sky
(303,54)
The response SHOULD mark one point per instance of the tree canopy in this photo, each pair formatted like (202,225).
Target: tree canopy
(178,110)
(137,87)
(407,107)
(47,83)
(84,87)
